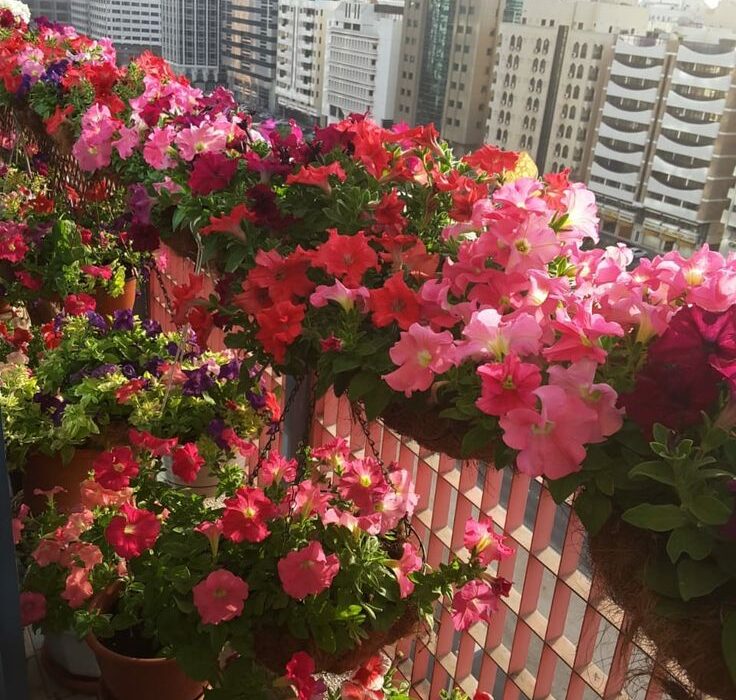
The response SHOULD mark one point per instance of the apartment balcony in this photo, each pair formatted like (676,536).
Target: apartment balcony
(692,52)
(643,117)
(670,230)
(625,70)
(630,179)
(608,191)
(706,106)
(640,138)
(666,144)
(692,196)
(709,129)
(636,158)
(641,46)
(646,95)
(662,166)
(681,77)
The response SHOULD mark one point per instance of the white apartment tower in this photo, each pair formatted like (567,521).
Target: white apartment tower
(665,148)
(133,25)
(301,56)
(190,38)
(363,44)
(548,76)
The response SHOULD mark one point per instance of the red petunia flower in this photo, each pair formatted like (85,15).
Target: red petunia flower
(78,304)
(129,389)
(211,172)
(394,302)
(133,531)
(115,468)
(346,257)
(186,462)
(317,176)
(285,278)
(279,326)
(230,223)
(246,515)
(54,122)
(185,295)
(492,160)
(146,441)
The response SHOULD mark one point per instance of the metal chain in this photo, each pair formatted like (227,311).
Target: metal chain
(358,411)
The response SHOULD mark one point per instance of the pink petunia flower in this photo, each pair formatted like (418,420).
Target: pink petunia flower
(307,571)
(420,354)
(77,587)
(200,139)
(489,334)
(363,483)
(476,601)
(483,542)
(220,597)
(246,515)
(338,292)
(157,150)
(276,468)
(507,385)
(32,607)
(409,563)
(580,335)
(549,443)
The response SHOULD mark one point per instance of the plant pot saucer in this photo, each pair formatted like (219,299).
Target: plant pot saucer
(83,685)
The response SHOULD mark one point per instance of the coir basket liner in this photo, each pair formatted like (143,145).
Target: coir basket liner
(620,554)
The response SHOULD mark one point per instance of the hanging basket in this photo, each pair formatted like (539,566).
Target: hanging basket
(276,646)
(619,554)
(432,431)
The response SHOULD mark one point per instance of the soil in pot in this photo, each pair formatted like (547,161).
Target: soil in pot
(107,304)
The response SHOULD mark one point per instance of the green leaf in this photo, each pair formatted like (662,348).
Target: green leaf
(560,489)
(177,218)
(699,578)
(604,482)
(661,576)
(475,441)
(728,643)
(661,434)
(377,400)
(655,469)
(361,384)
(689,540)
(710,510)
(593,509)
(344,363)
(657,518)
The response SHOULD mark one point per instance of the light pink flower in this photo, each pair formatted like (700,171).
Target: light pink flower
(483,542)
(220,597)
(489,334)
(409,563)
(549,442)
(307,571)
(156,152)
(92,153)
(420,354)
(77,588)
(212,531)
(531,245)
(127,141)
(32,607)
(582,214)
(307,498)
(474,602)
(198,139)
(579,335)
(338,292)
(577,380)
(524,193)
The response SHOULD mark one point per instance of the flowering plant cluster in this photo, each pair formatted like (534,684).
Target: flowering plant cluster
(89,377)
(49,250)
(301,562)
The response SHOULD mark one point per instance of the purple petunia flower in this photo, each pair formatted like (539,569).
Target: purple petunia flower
(122,320)
(198,383)
(152,328)
(257,401)
(103,371)
(172,348)
(129,371)
(52,405)
(139,204)
(55,72)
(153,366)
(97,321)
(215,428)
(230,370)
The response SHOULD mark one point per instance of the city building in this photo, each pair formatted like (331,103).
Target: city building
(190,39)
(133,25)
(728,219)
(54,10)
(548,77)
(301,57)
(249,51)
(445,66)
(363,45)
(665,140)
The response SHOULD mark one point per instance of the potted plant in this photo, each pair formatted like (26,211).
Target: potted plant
(97,377)
(313,561)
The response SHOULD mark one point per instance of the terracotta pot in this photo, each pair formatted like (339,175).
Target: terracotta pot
(107,304)
(41,311)
(46,471)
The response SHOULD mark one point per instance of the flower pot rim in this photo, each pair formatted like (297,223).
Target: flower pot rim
(101,650)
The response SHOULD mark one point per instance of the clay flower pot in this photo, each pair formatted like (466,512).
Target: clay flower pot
(107,304)
(130,678)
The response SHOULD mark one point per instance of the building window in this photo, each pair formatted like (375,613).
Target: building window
(584,51)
